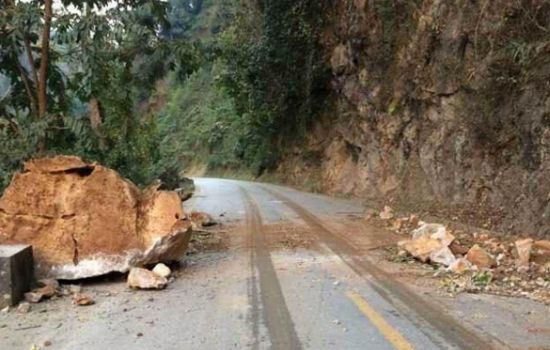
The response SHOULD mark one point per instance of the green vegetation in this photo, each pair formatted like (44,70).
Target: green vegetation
(262,86)
(76,80)
(150,89)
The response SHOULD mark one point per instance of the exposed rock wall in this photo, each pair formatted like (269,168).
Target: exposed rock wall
(441,104)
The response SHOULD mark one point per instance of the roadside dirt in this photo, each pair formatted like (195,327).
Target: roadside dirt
(394,290)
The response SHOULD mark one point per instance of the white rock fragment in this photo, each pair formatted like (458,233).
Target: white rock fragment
(139,278)
(387,213)
(162,270)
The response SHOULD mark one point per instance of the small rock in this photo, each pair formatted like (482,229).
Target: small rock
(387,213)
(458,249)
(162,270)
(336,283)
(435,230)
(398,224)
(543,245)
(139,335)
(139,278)
(40,294)
(523,249)
(428,239)
(336,321)
(200,219)
(479,257)
(413,221)
(24,308)
(184,195)
(459,266)
(5,310)
(442,256)
(74,288)
(481,236)
(83,300)
(34,298)
(47,343)
(49,282)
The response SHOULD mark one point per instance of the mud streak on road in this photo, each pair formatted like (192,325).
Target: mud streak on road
(274,310)
(393,291)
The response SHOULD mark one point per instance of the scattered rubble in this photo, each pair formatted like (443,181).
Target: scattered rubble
(478,262)
(140,278)
(69,210)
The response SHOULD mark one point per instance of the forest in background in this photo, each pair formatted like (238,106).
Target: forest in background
(150,88)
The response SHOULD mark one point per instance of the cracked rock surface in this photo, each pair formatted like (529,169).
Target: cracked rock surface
(85,220)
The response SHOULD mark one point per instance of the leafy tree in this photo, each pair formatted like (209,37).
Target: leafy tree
(275,73)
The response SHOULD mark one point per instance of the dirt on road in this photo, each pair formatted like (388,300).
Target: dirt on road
(284,270)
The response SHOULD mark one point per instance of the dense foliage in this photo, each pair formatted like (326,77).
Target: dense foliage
(89,78)
(101,63)
(263,85)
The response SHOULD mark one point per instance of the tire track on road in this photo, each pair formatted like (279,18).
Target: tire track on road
(269,300)
(390,289)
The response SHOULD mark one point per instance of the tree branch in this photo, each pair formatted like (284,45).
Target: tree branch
(30,58)
(43,73)
(25,80)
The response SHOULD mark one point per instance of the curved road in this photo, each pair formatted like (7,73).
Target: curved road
(284,270)
(328,298)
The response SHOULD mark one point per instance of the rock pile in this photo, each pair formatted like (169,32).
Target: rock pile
(478,262)
(84,220)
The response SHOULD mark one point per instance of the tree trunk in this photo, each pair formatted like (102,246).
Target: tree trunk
(43,73)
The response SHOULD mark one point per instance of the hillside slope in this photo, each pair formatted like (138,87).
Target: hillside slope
(438,104)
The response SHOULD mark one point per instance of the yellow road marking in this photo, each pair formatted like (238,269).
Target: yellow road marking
(393,336)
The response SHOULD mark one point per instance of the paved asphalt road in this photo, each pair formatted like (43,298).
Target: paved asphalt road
(286,277)
(330,298)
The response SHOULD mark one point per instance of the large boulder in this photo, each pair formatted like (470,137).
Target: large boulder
(85,220)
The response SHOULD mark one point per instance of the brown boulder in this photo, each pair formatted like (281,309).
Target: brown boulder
(85,220)
(480,258)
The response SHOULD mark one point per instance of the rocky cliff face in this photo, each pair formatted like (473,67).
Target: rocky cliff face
(442,104)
